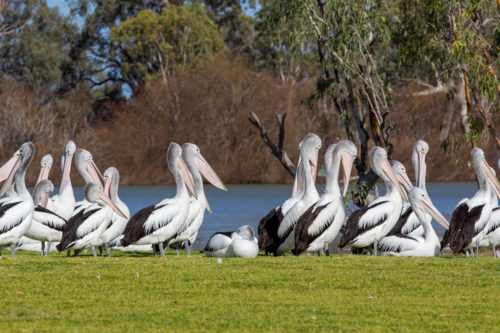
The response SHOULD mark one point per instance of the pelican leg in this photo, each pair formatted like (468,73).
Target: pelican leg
(162,250)
(326,250)
(375,248)
(100,251)
(43,248)
(13,251)
(108,251)
(178,246)
(498,253)
(477,250)
(188,248)
(319,253)
(48,248)
(1,258)
(308,254)
(493,250)
(68,254)
(154,249)
(93,252)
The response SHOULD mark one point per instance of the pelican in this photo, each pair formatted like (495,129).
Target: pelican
(233,244)
(85,228)
(195,164)
(87,168)
(369,224)
(285,240)
(321,223)
(416,246)
(470,219)
(46,226)
(64,202)
(16,213)
(492,237)
(268,226)
(117,223)
(4,174)
(157,223)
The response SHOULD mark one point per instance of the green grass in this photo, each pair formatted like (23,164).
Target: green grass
(337,293)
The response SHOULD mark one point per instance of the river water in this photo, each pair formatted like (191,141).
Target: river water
(247,204)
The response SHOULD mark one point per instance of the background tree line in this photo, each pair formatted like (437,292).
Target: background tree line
(123,78)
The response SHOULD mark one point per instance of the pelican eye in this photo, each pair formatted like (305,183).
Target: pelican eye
(423,150)
(423,196)
(90,157)
(45,163)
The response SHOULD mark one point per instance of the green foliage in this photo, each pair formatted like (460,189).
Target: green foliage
(140,293)
(357,195)
(178,37)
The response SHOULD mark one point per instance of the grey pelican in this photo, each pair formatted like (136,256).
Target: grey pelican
(416,246)
(492,237)
(64,202)
(87,168)
(195,164)
(117,223)
(369,224)
(233,244)
(84,228)
(268,226)
(321,223)
(470,219)
(157,223)
(46,225)
(16,213)
(285,240)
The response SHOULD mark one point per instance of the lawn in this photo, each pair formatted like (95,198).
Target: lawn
(140,293)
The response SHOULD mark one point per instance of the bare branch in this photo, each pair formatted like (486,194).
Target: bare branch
(277,151)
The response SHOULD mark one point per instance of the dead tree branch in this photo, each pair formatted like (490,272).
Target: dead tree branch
(276,150)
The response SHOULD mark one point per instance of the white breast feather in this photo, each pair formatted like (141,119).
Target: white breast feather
(194,210)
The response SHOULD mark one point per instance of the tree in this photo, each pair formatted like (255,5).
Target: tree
(459,43)
(151,44)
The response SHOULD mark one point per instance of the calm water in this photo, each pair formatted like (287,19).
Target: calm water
(247,204)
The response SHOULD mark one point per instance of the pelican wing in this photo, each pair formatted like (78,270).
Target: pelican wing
(311,225)
(494,220)
(49,218)
(148,220)
(366,219)
(13,212)
(466,222)
(218,241)
(80,225)
(397,243)
(402,221)
(268,228)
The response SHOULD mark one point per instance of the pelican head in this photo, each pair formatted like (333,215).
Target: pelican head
(24,155)
(6,169)
(420,202)
(347,152)
(94,193)
(45,165)
(483,170)
(420,150)
(111,180)
(195,162)
(174,158)
(69,151)
(309,151)
(41,192)
(381,166)
(86,166)
(246,232)
(400,171)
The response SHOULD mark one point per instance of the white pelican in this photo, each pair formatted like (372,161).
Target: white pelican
(369,224)
(16,213)
(117,223)
(321,223)
(492,237)
(268,226)
(470,219)
(46,225)
(416,246)
(64,202)
(157,223)
(195,163)
(84,228)
(90,173)
(233,244)
(285,240)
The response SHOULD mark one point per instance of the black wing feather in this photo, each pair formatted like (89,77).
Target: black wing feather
(387,248)
(69,235)
(302,237)
(135,226)
(209,248)
(50,225)
(461,230)
(3,209)
(268,228)
(353,230)
(403,218)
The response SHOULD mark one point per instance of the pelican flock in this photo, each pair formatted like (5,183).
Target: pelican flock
(396,224)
